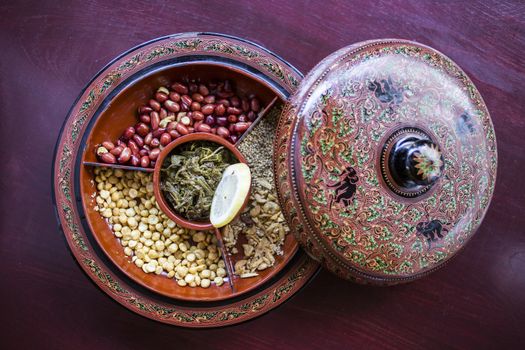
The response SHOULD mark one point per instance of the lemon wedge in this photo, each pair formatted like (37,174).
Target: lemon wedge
(230,194)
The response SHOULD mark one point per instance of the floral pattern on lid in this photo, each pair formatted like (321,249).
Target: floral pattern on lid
(330,145)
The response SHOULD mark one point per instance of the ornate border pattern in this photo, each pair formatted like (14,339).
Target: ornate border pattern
(67,150)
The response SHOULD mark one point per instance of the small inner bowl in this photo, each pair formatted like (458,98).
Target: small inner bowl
(164,204)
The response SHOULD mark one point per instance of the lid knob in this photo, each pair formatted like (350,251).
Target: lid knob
(415,162)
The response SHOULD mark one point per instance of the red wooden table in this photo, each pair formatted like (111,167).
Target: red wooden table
(50,50)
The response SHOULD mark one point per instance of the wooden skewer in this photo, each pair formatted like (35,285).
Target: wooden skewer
(118,166)
(259,117)
(226,257)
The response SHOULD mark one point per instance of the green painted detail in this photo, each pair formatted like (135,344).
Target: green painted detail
(89,100)
(159,52)
(385,234)
(395,249)
(293,81)
(423,262)
(110,80)
(337,115)
(64,184)
(417,246)
(340,248)
(326,146)
(132,62)
(65,157)
(371,243)
(245,52)
(327,223)
(358,257)
(308,173)
(188,44)
(219,47)
(372,214)
(320,198)
(140,305)
(405,267)
(103,276)
(325,97)
(75,233)
(275,69)
(77,126)
(378,264)
(350,238)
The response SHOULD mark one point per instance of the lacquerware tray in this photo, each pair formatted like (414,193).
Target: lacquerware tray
(83,230)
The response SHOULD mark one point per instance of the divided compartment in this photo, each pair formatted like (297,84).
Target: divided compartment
(120,113)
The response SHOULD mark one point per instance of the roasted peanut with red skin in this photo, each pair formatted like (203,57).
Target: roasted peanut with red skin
(208,109)
(198,116)
(233,110)
(145,118)
(148,138)
(209,99)
(154,142)
(165,139)
(108,158)
(203,128)
(154,104)
(138,140)
(182,129)
(172,106)
(223,132)
(133,147)
(241,127)
(125,155)
(116,151)
(163,113)
(144,161)
(154,153)
(195,106)
(155,120)
(135,160)
(191,107)
(129,132)
(220,109)
(174,96)
(108,145)
(145,110)
(142,129)
(174,134)
(158,132)
(197,97)
(254,104)
(181,89)
(160,97)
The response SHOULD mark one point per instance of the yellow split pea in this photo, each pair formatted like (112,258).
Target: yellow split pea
(153,241)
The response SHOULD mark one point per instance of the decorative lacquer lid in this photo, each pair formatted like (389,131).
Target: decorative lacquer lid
(385,160)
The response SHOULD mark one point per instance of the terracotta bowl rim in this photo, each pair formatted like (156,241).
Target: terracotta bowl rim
(163,204)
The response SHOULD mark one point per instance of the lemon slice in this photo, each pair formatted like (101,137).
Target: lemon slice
(230,194)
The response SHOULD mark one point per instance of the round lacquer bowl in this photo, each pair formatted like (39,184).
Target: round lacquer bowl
(117,112)
(164,204)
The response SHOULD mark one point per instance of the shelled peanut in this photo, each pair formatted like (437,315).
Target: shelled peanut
(154,242)
(179,110)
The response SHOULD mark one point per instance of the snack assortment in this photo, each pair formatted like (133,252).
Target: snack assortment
(188,177)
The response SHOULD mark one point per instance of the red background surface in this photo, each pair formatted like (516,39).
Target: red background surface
(50,50)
